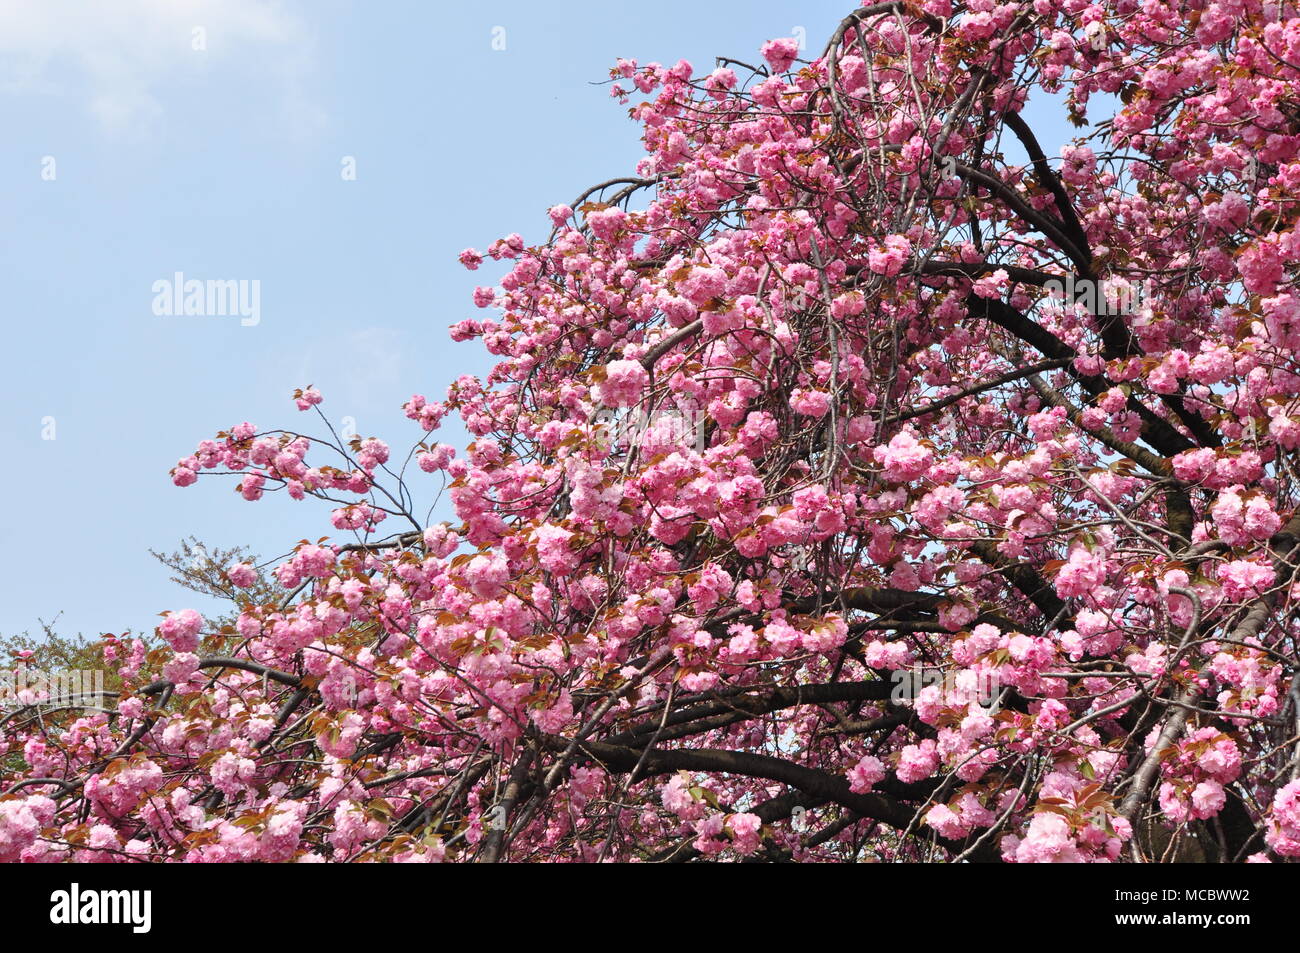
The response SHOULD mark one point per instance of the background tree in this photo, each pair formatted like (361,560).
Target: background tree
(849,387)
(201,568)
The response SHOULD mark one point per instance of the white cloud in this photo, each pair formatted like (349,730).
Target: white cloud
(117,56)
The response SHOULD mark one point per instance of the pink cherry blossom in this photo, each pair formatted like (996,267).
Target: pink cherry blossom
(623,384)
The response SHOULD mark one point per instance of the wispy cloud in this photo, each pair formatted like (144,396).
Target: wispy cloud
(117,58)
(355,368)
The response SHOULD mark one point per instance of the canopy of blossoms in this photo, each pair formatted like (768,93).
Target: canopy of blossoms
(858,480)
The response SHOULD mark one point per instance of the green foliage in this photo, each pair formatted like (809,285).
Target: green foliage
(195,566)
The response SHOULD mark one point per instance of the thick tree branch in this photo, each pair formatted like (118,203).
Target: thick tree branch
(810,781)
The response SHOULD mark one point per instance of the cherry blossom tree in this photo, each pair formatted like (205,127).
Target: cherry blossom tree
(858,481)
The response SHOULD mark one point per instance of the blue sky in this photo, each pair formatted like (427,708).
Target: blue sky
(224,163)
